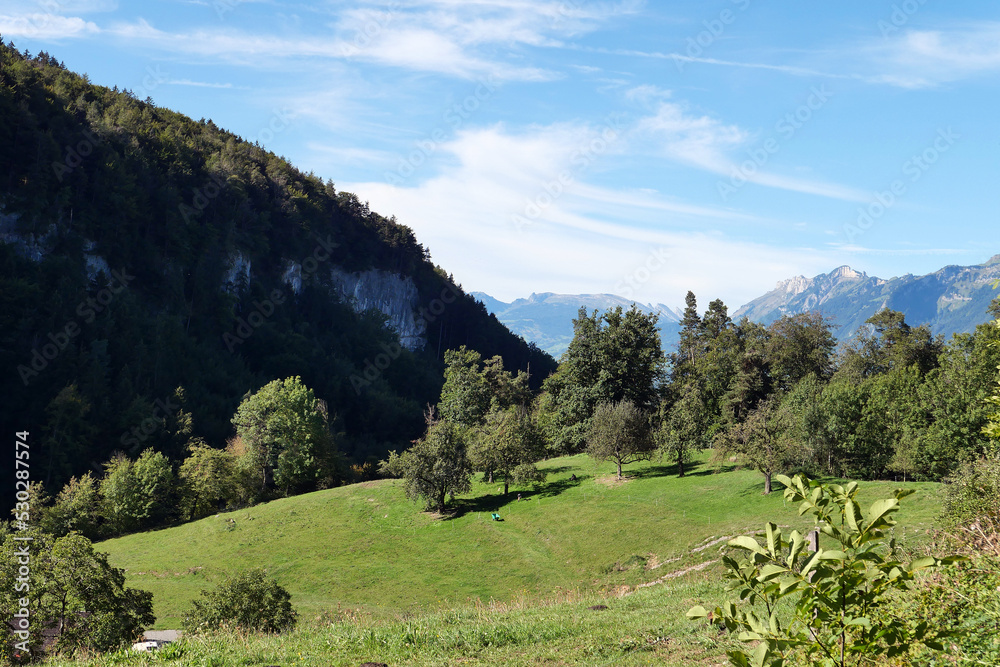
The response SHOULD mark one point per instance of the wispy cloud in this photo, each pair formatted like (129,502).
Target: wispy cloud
(202,84)
(467,40)
(702,141)
(467,210)
(46,26)
(925,58)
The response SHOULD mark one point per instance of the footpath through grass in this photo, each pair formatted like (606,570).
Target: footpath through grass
(367,548)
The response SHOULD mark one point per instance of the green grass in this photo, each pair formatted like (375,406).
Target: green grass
(646,627)
(367,548)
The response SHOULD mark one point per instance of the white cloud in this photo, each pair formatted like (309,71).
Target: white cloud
(469,40)
(45,26)
(924,58)
(707,143)
(200,84)
(474,212)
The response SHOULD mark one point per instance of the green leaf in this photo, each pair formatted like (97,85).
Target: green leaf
(833,555)
(797,544)
(738,658)
(773,539)
(697,612)
(745,542)
(770,571)
(880,508)
(852,514)
(762,653)
(922,563)
(787,585)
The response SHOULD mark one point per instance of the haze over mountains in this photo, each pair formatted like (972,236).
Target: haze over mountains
(546,319)
(951,300)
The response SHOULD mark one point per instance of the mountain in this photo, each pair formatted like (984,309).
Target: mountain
(546,319)
(142,251)
(952,300)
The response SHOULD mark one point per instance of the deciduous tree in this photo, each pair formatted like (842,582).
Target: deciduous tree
(287,435)
(435,466)
(508,445)
(75,592)
(620,432)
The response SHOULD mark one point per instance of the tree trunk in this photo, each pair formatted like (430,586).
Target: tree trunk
(680,463)
(767,482)
(440,500)
(506,485)
(619,461)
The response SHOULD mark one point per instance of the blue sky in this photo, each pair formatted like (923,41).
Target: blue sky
(638,148)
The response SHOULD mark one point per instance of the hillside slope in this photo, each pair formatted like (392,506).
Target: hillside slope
(141,250)
(366,546)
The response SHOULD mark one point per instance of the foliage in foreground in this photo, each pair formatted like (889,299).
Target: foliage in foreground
(841,615)
(67,586)
(249,601)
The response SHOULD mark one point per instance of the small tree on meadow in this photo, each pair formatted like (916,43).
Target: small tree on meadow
(762,440)
(681,430)
(620,432)
(435,466)
(508,446)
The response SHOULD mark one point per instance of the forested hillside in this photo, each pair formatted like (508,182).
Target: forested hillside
(143,251)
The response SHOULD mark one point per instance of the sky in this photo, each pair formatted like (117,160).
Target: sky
(637,148)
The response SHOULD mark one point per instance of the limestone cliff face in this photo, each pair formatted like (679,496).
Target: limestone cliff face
(32,246)
(393,295)
(237,272)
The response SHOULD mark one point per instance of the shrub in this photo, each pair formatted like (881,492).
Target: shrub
(973,491)
(73,591)
(249,601)
(843,607)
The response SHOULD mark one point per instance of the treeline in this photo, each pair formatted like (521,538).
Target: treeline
(284,444)
(894,402)
(143,250)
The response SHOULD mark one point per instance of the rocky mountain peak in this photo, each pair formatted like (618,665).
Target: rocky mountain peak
(793,286)
(846,273)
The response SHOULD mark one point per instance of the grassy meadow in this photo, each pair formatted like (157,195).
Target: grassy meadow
(367,549)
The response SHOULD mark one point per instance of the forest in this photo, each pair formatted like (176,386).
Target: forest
(145,256)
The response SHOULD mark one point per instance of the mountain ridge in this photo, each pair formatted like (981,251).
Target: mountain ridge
(953,299)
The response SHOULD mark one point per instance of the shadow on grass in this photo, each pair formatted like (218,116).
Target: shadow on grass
(494,502)
(691,469)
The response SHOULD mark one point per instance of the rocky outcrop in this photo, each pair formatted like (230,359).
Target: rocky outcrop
(32,246)
(391,294)
(237,272)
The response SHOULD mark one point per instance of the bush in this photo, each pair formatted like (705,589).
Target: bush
(249,601)
(73,591)
(843,610)
(974,491)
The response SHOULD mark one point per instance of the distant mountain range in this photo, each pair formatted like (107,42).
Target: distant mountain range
(546,319)
(951,300)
